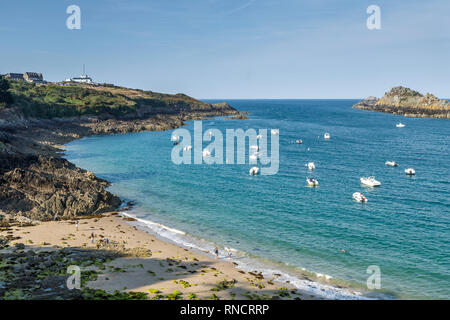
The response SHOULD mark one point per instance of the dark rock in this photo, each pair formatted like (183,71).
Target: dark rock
(19,246)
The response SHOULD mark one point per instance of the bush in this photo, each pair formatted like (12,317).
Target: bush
(5,96)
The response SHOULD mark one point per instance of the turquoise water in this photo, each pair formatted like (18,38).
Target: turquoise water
(403,229)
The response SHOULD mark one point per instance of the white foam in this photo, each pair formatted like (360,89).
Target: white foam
(248,264)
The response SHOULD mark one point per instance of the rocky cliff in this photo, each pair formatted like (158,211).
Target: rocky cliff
(407,102)
(35,182)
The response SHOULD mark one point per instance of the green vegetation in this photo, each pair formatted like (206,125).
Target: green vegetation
(213,297)
(175,295)
(283,292)
(254,296)
(92,294)
(54,100)
(155,291)
(183,283)
(224,285)
(5,96)
(192,296)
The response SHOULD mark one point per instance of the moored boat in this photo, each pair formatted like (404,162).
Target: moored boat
(312,182)
(391,163)
(370,181)
(359,197)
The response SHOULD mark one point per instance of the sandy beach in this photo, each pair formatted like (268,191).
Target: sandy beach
(147,264)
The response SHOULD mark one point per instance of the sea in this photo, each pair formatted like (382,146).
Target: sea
(395,246)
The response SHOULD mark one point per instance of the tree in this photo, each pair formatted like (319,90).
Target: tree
(5,95)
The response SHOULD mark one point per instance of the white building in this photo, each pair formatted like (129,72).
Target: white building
(83,79)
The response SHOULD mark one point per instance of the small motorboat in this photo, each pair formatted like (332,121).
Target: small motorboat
(311,166)
(312,182)
(254,147)
(175,138)
(254,156)
(370,181)
(299,141)
(391,163)
(274,132)
(410,171)
(259,136)
(254,171)
(326,136)
(187,148)
(400,125)
(359,197)
(206,153)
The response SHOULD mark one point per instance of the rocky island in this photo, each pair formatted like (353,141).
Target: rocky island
(407,102)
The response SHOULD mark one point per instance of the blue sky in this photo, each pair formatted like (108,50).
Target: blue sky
(235,48)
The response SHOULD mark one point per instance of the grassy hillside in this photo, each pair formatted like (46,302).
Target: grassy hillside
(53,100)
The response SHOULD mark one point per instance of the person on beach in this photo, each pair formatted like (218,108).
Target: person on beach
(229,253)
(216,252)
(92,237)
(76,224)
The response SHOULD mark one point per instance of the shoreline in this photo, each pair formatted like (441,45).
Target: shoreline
(309,282)
(149,265)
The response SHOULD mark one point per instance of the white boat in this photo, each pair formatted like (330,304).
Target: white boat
(400,125)
(410,171)
(299,141)
(187,148)
(311,166)
(175,138)
(256,148)
(312,182)
(391,163)
(358,196)
(370,181)
(206,153)
(254,156)
(254,171)
(259,136)
(274,132)
(326,136)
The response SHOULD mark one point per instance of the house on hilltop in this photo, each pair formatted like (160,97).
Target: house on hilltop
(33,77)
(14,76)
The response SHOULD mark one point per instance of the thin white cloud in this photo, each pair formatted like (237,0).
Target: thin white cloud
(242,7)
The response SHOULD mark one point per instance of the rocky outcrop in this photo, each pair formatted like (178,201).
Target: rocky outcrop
(53,187)
(407,102)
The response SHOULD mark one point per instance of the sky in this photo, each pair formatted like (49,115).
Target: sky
(225,49)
